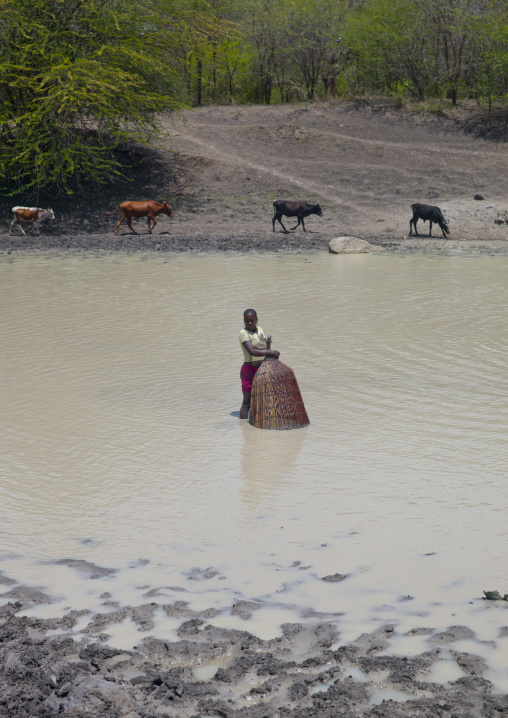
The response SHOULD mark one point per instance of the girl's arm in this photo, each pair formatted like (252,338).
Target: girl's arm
(260,352)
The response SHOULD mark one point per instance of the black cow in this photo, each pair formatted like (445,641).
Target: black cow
(293,209)
(427,212)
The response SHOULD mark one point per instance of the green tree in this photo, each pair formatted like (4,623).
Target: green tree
(440,48)
(391,47)
(484,69)
(313,28)
(79,77)
(452,22)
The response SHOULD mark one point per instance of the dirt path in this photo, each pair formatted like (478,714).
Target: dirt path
(418,148)
(207,149)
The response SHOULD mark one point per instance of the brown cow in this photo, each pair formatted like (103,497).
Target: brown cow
(149,208)
(36,215)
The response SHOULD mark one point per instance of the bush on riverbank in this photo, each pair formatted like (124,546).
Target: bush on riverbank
(80,78)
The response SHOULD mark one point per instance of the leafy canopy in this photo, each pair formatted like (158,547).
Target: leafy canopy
(79,76)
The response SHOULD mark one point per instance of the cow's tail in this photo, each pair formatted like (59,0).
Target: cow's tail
(106,214)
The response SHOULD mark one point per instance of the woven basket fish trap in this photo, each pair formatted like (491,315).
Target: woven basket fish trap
(276,401)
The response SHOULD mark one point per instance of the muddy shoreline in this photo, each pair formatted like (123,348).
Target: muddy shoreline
(222,167)
(224,673)
(242,242)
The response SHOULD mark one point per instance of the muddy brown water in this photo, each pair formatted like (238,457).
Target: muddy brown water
(120,445)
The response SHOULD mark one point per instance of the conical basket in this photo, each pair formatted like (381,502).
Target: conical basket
(276,401)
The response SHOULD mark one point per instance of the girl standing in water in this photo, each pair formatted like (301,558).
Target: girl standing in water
(253,343)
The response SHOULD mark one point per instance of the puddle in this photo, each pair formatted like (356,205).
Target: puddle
(319,688)
(356,673)
(401,645)
(206,671)
(390,694)
(444,672)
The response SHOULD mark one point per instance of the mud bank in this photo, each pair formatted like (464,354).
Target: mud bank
(46,670)
(243,242)
(221,168)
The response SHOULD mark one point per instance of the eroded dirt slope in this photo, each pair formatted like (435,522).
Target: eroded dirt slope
(361,163)
(222,167)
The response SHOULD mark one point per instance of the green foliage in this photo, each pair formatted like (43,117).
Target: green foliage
(391,46)
(438,48)
(77,78)
(286,50)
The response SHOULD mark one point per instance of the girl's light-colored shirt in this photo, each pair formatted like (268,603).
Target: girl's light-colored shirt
(257,339)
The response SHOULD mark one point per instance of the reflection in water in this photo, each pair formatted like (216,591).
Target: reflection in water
(119,448)
(268,459)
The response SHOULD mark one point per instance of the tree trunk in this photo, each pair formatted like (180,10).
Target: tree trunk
(199,88)
(214,71)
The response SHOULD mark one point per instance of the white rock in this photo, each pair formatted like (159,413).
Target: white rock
(352,245)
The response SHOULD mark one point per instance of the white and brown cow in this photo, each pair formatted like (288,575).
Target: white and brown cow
(36,215)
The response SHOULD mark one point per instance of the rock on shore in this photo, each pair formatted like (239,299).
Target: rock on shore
(352,245)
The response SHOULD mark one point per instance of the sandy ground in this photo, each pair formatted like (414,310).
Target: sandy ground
(365,163)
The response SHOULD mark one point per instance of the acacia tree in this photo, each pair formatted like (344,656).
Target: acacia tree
(235,58)
(391,46)
(313,29)
(491,37)
(77,78)
(452,22)
(263,36)
(430,47)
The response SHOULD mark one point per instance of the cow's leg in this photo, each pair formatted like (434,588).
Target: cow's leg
(129,224)
(151,217)
(414,221)
(430,228)
(17,221)
(119,223)
(303,225)
(296,225)
(278,218)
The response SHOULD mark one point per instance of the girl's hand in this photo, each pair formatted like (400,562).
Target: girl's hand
(274,353)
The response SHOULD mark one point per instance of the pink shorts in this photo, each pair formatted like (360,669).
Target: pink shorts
(247,375)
